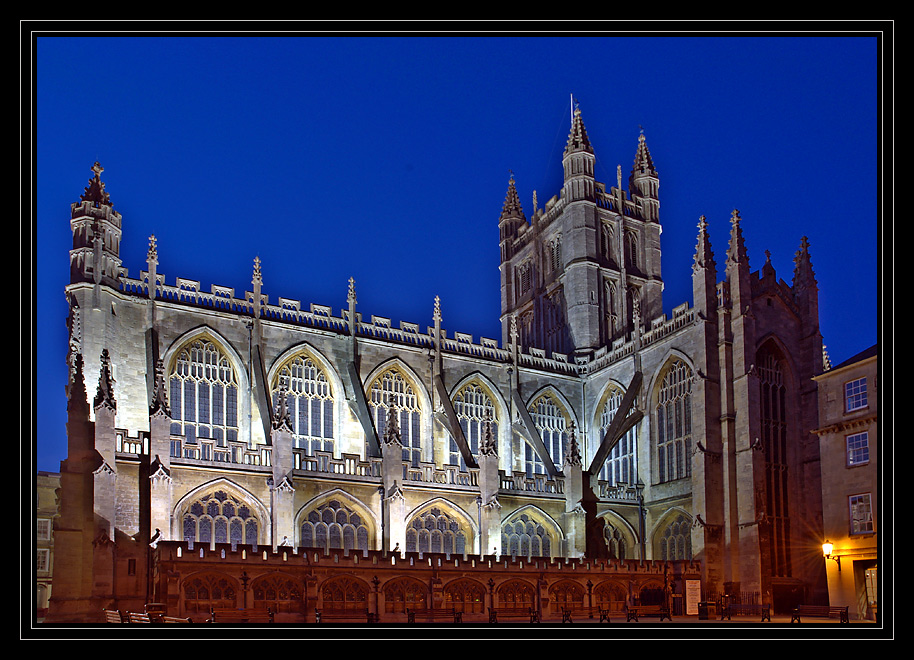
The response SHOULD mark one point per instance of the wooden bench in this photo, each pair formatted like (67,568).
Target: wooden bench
(114,616)
(344,614)
(230,615)
(434,613)
(568,614)
(513,613)
(820,612)
(636,611)
(136,617)
(175,619)
(746,609)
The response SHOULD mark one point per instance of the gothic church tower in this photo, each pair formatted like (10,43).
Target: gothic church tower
(586,269)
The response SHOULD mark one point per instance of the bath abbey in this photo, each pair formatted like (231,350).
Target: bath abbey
(244,451)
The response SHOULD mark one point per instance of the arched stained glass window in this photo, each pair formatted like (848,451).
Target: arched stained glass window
(392,387)
(523,536)
(551,422)
(435,530)
(474,409)
(619,467)
(674,423)
(309,401)
(774,430)
(203,393)
(219,517)
(333,525)
(676,539)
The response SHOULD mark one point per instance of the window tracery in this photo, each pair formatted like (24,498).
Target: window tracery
(220,517)
(334,526)
(309,403)
(392,388)
(203,392)
(524,536)
(475,409)
(676,539)
(435,530)
(674,423)
(620,466)
(551,423)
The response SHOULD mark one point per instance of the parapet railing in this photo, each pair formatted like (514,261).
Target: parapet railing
(321,317)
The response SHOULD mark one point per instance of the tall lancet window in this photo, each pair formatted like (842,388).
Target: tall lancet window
(620,467)
(309,401)
(551,422)
(773,398)
(674,423)
(203,390)
(475,410)
(392,390)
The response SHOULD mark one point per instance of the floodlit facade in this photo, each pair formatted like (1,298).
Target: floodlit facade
(241,449)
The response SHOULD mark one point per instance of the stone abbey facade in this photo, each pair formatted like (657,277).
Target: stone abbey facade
(230,450)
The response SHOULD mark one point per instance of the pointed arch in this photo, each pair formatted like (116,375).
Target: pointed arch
(395,379)
(553,416)
(315,396)
(206,380)
(672,535)
(777,431)
(617,537)
(671,410)
(621,466)
(531,532)
(472,397)
(336,520)
(465,595)
(220,511)
(344,592)
(439,525)
(278,592)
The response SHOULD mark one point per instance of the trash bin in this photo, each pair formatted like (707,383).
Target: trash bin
(707,610)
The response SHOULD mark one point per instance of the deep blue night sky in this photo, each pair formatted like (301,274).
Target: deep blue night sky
(387,159)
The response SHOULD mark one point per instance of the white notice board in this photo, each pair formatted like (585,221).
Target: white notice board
(692,596)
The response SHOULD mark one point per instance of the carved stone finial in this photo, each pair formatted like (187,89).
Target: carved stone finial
(392,432)
(95,191)
(159,392)
(105,394)
(572,451)
(436,315)
(258,278)
(351,295)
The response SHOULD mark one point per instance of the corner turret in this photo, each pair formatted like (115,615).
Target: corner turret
(96,228)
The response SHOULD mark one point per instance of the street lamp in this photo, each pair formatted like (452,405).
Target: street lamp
(827,548)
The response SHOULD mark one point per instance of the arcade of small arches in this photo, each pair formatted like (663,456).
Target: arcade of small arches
(285,593)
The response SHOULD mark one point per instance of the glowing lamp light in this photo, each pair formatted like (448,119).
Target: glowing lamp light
(827,549)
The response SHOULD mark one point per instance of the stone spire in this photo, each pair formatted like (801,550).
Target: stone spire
(510,221)
(105,394)
(577,138)
(704,257)
(644,164)
(802,270)
(736,253)
(572,451)
(512,208)
(578,163)
(95,191)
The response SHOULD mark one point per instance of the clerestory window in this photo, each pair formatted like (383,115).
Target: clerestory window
(203,393)
(309,401)
(392,389)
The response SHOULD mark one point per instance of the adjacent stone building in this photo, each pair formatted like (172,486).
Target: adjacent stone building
(849,449)
(636,451)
